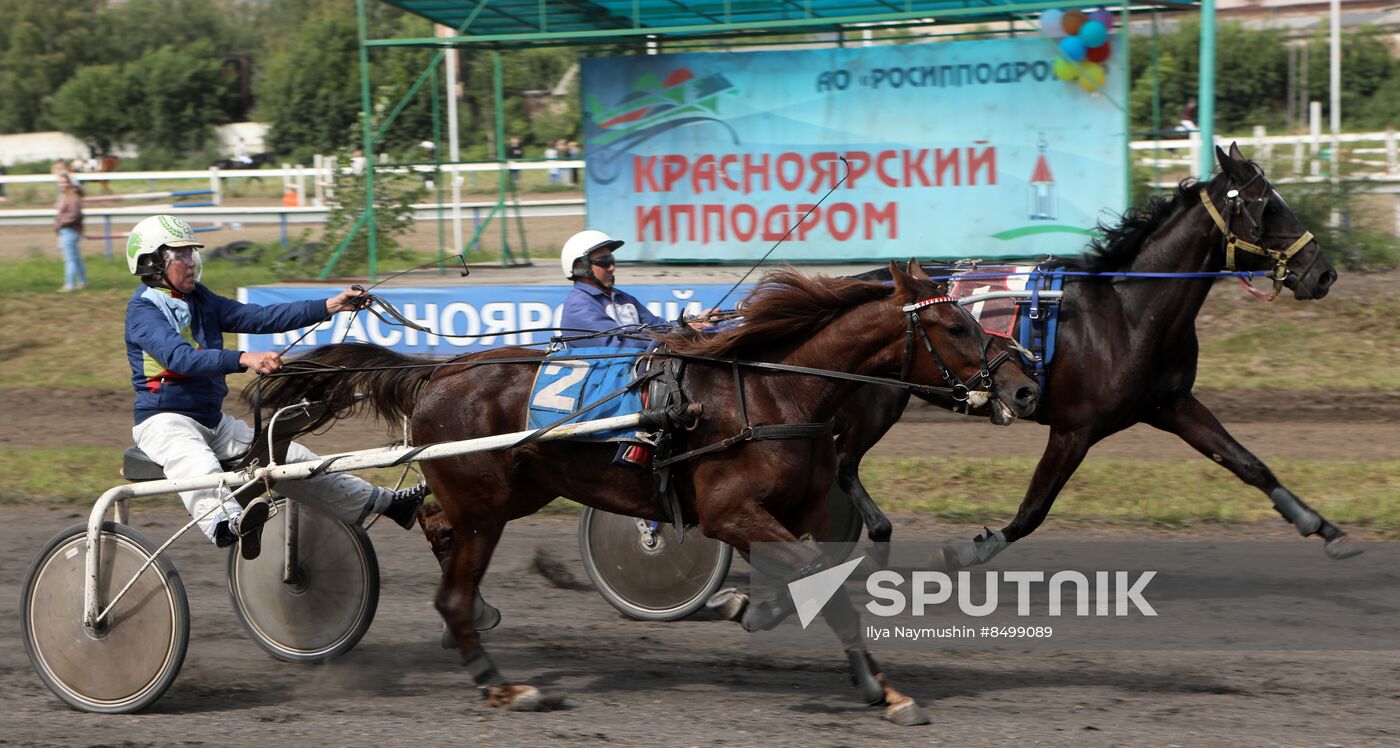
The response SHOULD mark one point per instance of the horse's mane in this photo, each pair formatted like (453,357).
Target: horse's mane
(785,305)
(1116,246)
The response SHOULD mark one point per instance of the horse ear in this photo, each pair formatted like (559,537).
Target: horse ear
(1232,163)
(916,271)
(901,282)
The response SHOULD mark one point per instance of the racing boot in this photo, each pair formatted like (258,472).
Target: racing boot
(403,505)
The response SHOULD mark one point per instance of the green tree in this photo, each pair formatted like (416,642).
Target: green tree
(176,97)
(309,95)
(141,26)
(41,45)
(1366,68)
(95,103)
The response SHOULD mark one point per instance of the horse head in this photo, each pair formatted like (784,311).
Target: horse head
(958,349)
(1262,233)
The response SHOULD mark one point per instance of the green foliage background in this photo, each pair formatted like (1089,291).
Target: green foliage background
(162,73)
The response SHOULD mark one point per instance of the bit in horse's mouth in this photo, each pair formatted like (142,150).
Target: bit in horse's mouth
(1002,414)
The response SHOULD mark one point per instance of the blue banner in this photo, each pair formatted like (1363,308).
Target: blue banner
(955,149)
(497,312)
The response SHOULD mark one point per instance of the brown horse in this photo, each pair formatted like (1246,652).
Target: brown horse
(753,491)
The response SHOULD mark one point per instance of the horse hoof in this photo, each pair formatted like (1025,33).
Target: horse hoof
(729,603)
(906,713)
(520,698)
(1341,547)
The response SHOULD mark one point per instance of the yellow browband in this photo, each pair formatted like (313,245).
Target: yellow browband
(1232,242)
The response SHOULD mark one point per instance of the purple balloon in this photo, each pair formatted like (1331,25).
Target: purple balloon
(1073,48)
(1104,17)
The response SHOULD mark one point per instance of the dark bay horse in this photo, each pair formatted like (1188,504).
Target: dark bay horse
(1127,348)
(754,491)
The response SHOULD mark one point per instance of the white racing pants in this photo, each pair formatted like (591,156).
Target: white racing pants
(186,449)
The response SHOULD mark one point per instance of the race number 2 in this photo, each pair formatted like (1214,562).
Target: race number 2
(551,395)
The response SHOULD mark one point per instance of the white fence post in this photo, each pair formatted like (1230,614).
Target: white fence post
(1263,150)
(318,185)
(301,185)
(1392,156)
(216,185)
(1315,137)
(286,177)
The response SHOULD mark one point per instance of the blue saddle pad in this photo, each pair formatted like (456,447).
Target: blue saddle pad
(565,384)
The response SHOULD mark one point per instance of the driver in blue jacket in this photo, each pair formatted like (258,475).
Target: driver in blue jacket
(595,302)
(175,342)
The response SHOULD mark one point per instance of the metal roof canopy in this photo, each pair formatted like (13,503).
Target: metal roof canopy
(529,23)
(518,24)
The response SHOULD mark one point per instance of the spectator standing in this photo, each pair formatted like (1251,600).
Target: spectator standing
(514,151)
(68,224)
(552,153)
(573,153)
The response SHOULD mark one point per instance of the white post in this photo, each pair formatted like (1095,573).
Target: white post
(1392,156)
(286,177)
(301,185)
(216,185)
(317,183)
(1194,138)
(1262,151)
(454,152)
(332,164)
(1314,136)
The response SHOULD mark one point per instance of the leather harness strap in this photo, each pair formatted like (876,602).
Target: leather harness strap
(1233,242)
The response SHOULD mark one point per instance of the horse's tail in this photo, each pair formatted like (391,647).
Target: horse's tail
(338,374)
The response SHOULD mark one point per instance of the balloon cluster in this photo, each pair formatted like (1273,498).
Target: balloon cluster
(1083,42)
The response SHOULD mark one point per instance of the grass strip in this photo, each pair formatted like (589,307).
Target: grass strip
(1164,494)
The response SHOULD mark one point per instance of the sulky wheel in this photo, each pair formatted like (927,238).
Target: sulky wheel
(644,572)
(312,599)
(133,656)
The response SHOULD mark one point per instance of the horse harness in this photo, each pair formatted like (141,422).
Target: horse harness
(960,390)
(668,392)
(1253,211)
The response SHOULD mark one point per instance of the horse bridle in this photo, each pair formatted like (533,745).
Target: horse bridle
(1253,211)
(960,390)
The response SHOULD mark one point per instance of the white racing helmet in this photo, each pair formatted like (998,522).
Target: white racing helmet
(579,246)
(152,235)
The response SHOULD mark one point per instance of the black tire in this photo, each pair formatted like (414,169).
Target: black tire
(129,664)
(330,606)
(664,582)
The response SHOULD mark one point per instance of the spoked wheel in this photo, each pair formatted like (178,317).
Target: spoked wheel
(136,653)
(645,573)
(310,600)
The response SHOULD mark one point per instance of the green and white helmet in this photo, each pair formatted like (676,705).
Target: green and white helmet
(154,234)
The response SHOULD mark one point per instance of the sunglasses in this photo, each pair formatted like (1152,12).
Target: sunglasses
(606,261)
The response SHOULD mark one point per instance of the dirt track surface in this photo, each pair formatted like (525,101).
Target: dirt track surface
(694,682)
(1353,426)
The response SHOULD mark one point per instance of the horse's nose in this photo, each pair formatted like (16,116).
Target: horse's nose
(1325,281)
(1026,397)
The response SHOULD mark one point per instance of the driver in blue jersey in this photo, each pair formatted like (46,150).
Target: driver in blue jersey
(595,303)
(175,343)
